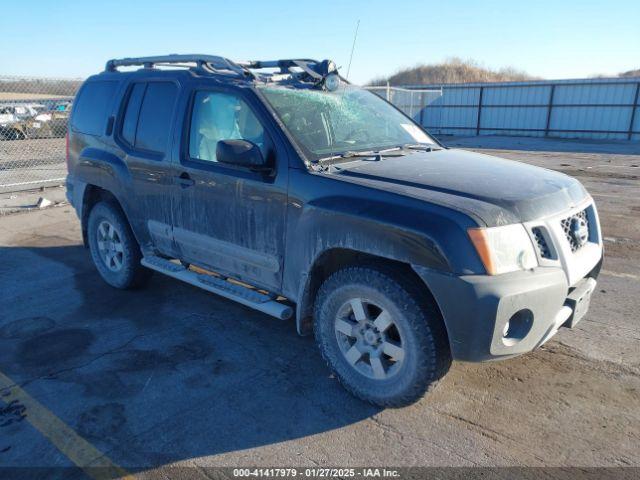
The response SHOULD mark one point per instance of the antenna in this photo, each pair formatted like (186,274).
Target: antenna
(353,47)
(330,129)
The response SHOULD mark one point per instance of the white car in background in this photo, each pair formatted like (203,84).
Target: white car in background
(30,120)
(8,115)
(14,112)
(11,117)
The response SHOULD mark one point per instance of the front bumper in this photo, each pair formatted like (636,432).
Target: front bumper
(477,308)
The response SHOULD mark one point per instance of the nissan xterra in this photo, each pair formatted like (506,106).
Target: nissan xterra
(281,186)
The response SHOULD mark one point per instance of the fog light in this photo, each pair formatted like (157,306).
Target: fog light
(517,327)
(505,329)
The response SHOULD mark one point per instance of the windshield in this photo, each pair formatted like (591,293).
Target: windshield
(347,120)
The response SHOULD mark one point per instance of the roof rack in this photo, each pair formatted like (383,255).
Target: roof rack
(316,69)
(282,64)
(308,69)
(211,63)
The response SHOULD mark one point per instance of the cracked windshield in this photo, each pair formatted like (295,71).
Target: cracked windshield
(348,120)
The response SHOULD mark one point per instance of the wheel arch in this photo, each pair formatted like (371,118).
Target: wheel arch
(333,259)
(92,195)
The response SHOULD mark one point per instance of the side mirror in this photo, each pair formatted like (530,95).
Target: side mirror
(242,153)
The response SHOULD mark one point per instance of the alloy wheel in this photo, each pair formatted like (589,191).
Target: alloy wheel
(110,246)
(369,339)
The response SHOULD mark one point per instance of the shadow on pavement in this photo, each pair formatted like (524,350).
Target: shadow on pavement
(158,375)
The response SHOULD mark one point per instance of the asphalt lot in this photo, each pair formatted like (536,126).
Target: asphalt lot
(174,376)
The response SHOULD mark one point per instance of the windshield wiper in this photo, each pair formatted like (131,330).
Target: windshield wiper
(421,146)
(376,154)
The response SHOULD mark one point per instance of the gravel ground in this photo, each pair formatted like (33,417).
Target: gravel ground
(172,376)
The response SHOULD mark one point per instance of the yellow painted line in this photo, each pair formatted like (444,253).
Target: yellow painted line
(84,455)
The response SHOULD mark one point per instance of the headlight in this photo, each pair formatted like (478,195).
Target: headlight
(504,249)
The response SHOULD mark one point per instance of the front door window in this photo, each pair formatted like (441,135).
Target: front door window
(221,116)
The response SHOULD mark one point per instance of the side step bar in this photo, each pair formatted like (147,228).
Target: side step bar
(232,291)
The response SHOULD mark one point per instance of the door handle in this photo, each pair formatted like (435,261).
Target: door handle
(184,180)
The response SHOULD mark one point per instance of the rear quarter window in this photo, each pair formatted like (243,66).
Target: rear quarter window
(91,108)
(156,113)
(130,121)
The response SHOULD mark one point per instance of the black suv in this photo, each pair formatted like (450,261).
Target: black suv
(279,185)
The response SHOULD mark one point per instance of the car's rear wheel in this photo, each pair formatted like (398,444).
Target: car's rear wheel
(114,250)
(383,340)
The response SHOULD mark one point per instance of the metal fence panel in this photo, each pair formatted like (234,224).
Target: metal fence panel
(456,97)
(636,123)
(529,95)
(593,108)
(33,123)
(600,122)
(516,118)
(607,93)
(410,101)
(458,116)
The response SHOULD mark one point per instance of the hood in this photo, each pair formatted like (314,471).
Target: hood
(495,190)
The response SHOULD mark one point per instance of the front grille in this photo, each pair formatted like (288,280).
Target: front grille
(541,242)
(576,230)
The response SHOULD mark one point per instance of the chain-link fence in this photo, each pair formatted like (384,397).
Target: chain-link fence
(33,123)
(411,101)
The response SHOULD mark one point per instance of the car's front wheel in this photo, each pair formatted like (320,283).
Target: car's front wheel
(384,341)
(114,250)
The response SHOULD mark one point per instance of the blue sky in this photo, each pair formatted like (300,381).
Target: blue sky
(550,39)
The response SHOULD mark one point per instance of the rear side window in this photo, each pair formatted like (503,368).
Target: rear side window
(147,117)
(130,122)
(92,107)
(155,116)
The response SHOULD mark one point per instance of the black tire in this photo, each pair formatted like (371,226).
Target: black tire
(419,331)
(126,272)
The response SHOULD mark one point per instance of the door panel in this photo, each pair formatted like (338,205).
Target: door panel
(231,219)
(144,133)
(228,255)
